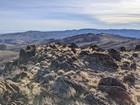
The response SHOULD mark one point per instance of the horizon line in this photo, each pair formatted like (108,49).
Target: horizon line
(20,31)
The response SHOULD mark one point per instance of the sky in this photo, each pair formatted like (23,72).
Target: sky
(50,15)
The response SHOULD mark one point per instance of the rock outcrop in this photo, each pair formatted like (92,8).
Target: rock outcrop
(130,79)
(116,90)
(114,54)
(137,48)
(118,94)
(123,49)
(99,61)
(64,74)
(25,55)
(109,81)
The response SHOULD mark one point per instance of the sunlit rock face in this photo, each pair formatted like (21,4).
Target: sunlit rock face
(65,74)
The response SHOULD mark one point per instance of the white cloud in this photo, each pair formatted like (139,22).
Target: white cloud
(126,11)
(68,14)
(26,25)
(119,19)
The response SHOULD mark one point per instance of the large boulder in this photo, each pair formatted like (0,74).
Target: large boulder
(125,65)
(84,53)
(110,81)
(102,62)
(130,79)
(66,88)
(31,49)
(120,95)
(116,90)
(72,45)
(114,54)
(137,48)
(94,100)
(129,66)
(95,48)
(135,55)
(25,55)
(133,66)
(63,89)
(64,62)
(22,53)
(39,77)
(123,49)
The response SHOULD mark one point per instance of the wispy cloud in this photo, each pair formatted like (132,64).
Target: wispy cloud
(44,24)
(68,14)
(126,11)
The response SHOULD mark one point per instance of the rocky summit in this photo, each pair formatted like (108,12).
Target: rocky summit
(65,74)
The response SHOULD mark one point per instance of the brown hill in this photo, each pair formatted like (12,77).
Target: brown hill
(103,40)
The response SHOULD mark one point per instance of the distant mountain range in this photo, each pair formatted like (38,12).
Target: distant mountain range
(29,36)
(105,41)
(10,44)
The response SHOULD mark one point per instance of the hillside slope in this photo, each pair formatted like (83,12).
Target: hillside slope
(59,74)
(24,37)
(103,40)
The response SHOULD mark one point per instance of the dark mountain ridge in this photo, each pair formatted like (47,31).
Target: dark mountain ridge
(28,36)
(103,40)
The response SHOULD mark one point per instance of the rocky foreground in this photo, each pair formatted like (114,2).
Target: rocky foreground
(59,74)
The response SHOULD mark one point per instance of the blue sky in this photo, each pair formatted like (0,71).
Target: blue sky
(49,15)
